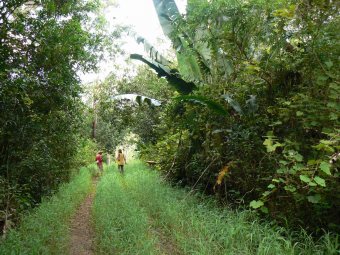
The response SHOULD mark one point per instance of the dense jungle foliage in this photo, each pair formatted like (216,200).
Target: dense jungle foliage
(261,126)
(43,46)
(247,106)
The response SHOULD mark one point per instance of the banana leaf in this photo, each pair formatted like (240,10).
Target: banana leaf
(212,105)
(171,75)
(151,51)
(187,57)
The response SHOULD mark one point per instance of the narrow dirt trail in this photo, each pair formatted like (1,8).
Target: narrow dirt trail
(81,230)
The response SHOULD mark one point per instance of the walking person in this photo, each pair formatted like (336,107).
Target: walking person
(99,160)
(121,161)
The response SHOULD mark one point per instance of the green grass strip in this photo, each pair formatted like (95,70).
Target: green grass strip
(191,224)
(121,227)
(46,229)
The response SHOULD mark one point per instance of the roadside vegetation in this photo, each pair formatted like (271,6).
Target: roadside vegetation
(46,229)
(140,213)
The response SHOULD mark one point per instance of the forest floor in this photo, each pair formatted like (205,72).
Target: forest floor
(140,213)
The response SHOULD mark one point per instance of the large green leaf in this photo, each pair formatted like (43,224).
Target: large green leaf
(151,51)
(172,76)
(212,105)
(305,178)
(161,65)
(187,57)
(320,181)
(167,11)
(325,167)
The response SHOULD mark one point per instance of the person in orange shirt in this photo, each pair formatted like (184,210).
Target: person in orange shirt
(121,161)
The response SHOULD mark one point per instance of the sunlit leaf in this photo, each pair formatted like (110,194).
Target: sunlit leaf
(320,181)
(256,204)
(325,167)
(305,178)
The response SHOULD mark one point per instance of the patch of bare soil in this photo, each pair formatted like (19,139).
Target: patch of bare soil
(81,229)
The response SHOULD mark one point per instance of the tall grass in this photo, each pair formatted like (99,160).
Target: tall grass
(125,205)
(46,229)
(121,227)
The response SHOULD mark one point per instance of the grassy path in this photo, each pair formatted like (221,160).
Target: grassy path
(81,234)
(137,213)
(46,230)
